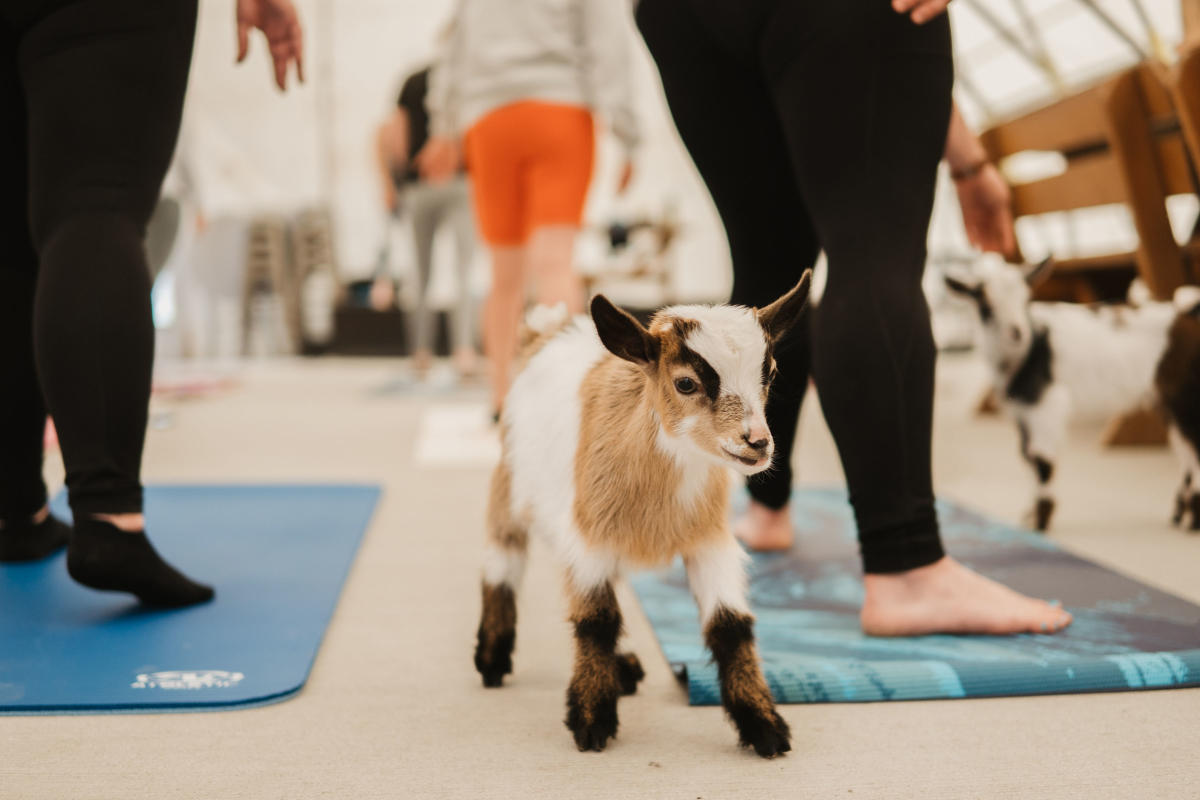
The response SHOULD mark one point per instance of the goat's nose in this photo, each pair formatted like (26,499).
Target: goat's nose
(752,440)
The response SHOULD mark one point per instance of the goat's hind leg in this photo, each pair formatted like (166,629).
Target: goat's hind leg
(718,580)
(504,565)
(629,672)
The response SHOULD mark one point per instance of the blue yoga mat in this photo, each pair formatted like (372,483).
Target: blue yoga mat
(1126,635)
(277,555)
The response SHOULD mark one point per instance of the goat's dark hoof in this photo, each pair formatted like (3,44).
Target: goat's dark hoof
(768,734)
(493,659)
(592,722)
(629,672)
(1194,508)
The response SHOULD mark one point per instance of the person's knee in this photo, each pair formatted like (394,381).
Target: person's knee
(104,246)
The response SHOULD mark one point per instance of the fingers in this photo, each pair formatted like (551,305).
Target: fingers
(243,40)
(921,10)
(298,40)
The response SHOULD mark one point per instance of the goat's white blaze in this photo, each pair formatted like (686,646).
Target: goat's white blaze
(694,465)
(730,339)
(717,576)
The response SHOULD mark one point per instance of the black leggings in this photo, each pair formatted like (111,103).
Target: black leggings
(820,124)
(90,100)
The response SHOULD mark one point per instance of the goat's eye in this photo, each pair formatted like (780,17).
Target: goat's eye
(685,385)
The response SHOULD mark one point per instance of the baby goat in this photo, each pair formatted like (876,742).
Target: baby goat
(617,441)
(1049,359)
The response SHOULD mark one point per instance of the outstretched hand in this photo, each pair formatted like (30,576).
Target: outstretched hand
(986,203)
(278,21)
(921,11)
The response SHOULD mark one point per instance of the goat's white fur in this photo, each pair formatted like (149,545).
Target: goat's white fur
(542,416)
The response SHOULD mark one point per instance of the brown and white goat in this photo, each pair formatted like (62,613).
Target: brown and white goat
(617,446)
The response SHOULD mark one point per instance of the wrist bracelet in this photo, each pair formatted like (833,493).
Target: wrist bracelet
(969,171)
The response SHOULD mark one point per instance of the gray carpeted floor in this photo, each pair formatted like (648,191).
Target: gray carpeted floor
(394,709)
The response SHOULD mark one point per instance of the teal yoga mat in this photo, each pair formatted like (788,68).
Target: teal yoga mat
(277,555)
(1125,636)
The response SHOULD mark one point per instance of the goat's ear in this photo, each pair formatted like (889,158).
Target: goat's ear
(782,315)
(1039,272)
(961,287)
(623,335)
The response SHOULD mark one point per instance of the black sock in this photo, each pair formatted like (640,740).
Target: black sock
(27,540)
(103,557)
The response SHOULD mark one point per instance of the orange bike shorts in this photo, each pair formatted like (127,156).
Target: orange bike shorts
(530,164)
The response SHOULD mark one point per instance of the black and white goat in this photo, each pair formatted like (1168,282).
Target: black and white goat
(617,446)
(1052,360)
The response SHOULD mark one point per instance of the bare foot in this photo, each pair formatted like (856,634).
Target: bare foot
(130,523)
(765,530)
(422,362)
(946,597)
(466,363)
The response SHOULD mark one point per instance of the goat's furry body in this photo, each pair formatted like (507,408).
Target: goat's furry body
(1105,356)
(617,445)
(645,506)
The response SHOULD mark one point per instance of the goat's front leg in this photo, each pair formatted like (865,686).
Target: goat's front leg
(597,681)
(1187,499)
(1042,428)
(717,575)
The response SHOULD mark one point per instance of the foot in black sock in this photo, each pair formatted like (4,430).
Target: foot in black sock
(104,557)
(29,541)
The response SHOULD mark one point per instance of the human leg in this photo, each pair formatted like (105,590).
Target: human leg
(425,212)
(26,530)
(742,155)
(463,326)
(496,150)
(104,84)
(869,177)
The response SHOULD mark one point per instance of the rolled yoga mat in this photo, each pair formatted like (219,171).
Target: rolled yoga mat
(277,556)
(1125,636)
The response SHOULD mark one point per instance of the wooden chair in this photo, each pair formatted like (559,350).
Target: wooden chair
(1122,143)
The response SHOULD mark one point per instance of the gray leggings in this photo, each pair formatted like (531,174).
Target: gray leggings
(431,206)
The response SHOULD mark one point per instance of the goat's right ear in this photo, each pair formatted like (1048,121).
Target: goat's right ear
(623,335)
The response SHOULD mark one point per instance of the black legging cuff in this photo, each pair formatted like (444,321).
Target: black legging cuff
(899,548)
(125,502)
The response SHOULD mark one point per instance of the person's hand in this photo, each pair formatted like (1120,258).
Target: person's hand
(438,159)
(986,204)
(278,21)
(626,176)
(383,294)
(921,11)
(391,198)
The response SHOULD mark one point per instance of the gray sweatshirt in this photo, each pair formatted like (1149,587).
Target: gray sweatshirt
(575,52)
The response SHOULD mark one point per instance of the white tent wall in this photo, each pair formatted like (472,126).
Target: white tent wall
(258,150)
(254,149)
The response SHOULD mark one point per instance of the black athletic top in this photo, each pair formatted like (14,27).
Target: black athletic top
(412,100)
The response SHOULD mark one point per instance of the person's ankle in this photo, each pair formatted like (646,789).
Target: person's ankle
(36,518)
(129,522)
